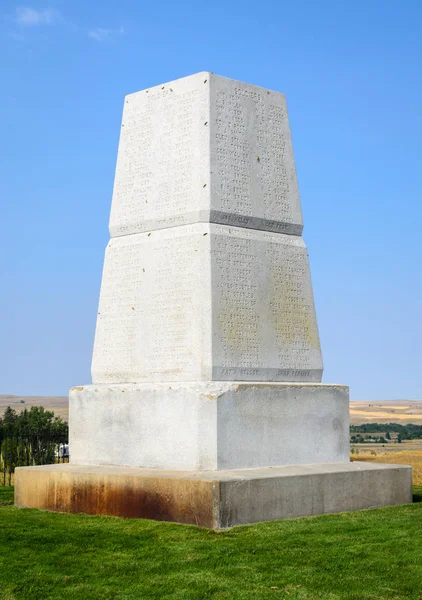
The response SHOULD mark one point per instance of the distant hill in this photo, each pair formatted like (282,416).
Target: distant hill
(361,411)
(381,411)
(58,404)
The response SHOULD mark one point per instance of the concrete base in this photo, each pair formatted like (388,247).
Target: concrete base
(215,499)
(210,425)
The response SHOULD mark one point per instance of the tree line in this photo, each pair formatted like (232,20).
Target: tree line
(405,432)
(31,437)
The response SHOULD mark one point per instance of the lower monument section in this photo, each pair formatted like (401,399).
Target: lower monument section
(204,302)
(209,425)
(215,499)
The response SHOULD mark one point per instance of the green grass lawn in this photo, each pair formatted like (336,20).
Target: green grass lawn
(6,495)
(373,555)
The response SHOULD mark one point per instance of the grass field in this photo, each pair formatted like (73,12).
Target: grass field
(367,555)
(6,495)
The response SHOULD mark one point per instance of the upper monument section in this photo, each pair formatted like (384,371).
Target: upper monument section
(206,276)
(205,149)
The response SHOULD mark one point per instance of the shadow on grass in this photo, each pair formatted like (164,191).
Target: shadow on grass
(417,493)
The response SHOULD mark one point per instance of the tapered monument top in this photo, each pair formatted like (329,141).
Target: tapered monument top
(205,148)
(206,275)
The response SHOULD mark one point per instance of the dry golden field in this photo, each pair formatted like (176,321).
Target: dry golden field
(404,457)
(397,411)
(58,404)
(377,411)
(409,452)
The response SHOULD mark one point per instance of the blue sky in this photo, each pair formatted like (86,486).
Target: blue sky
(352,75)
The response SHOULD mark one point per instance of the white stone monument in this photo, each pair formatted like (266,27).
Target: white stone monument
(207,404)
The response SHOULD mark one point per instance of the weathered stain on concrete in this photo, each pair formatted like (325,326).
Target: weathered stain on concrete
(158,498)
(213,499)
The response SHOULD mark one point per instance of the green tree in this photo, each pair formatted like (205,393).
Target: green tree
(29,438)
(7,443)
(43,431)
(10,416)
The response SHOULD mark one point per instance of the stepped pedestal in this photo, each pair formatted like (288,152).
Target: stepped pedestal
(209,425)
(217,499)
